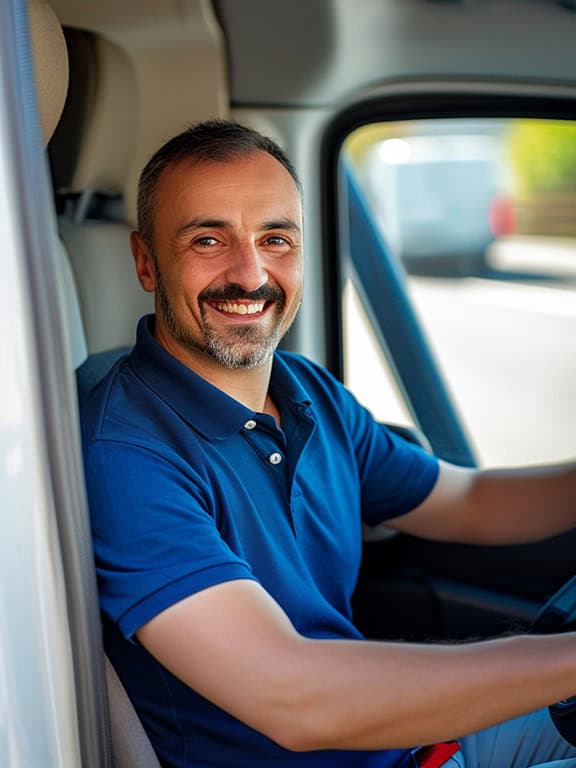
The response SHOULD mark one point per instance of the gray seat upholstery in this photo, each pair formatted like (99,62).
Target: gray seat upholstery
(131,747)
(91,154)
(110,297)
(106,305)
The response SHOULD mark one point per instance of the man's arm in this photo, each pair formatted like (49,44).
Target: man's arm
(495,506)
(234,645)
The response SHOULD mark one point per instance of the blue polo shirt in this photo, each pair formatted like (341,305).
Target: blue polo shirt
(188,488)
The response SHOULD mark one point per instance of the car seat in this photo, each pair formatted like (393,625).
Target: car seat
(91,153)
(130,745)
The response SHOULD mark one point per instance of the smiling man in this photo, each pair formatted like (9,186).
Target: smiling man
(228,483)
(228,285)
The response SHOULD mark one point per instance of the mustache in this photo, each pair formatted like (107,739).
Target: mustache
(235,292)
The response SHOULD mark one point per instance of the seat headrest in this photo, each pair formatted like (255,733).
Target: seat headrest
(92,148)
(50,64)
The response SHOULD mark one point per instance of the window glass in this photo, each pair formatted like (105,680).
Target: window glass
(480,217)
(367,371)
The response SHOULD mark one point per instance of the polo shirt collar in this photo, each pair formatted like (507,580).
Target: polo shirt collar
(206,408)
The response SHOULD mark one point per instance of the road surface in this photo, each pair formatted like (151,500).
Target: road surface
(508,352)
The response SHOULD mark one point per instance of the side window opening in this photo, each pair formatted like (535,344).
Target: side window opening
(380,389)
(479,217)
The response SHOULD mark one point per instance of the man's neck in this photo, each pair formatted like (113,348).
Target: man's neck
(247,385)
(250,386)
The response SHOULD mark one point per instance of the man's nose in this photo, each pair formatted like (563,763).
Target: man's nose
(247,267)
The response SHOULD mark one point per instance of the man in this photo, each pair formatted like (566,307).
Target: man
(227,486)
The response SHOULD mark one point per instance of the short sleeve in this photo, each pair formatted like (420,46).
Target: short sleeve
(155,536)
(395,474)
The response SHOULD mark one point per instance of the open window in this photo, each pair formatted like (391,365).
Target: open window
(476,215)
(457,243)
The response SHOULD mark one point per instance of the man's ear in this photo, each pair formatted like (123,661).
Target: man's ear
(144,262)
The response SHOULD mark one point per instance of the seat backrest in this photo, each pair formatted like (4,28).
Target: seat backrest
(52,74)
(91,156)
(111,299)
(122,104)
(70,304)
(130,746)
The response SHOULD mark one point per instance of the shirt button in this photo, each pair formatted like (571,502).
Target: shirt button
(250,424)
(275,458)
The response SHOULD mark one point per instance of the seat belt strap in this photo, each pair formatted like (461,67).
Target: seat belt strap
(435,755)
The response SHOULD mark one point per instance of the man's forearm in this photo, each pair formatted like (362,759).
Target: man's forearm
(494,507)
(234,645)
(521,506)
(384,695)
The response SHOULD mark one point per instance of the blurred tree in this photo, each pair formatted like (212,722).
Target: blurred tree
(543,156)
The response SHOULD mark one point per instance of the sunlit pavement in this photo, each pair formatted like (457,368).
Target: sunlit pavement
(508,352)
(554,256)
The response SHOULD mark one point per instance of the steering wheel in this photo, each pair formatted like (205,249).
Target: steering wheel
(559,615)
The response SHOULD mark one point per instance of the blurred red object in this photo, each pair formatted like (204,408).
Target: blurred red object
(501,216)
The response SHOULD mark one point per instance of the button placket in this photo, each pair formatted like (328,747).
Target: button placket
(263,442)
(269,445)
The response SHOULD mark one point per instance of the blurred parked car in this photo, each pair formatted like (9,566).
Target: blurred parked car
(440,200)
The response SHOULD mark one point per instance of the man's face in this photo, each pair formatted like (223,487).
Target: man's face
(227,253)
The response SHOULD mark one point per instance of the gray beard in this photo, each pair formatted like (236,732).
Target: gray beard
(247,348)
(244,347)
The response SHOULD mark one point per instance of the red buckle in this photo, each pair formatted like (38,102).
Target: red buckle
(435,755)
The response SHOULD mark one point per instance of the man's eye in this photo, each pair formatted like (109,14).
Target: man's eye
(277,240)
(205,241)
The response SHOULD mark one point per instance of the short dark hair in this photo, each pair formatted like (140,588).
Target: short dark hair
(209,141)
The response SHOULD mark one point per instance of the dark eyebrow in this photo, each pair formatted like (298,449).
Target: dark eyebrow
(199,223)
(281,224)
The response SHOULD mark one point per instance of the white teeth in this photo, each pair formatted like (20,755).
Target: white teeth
(241,309)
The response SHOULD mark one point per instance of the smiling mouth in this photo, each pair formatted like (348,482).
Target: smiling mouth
(240,308)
